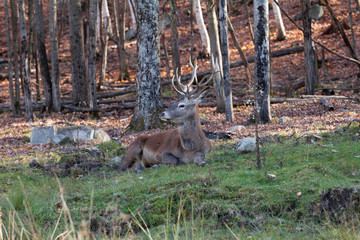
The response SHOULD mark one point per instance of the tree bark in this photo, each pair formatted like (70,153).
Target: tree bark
(43,60)
(262,60)
(281,33)
(92,55)
(14,23)
(309,51)
(225,59)
(124,74)
(25,63)
(148,102)
(132,8)
(54,57)
(351,25)
(9,55)
(78,76)
(174,38)
(205,40)
(105,28)
(216,53)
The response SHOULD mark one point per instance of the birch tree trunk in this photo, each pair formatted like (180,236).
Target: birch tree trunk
(92,55)
(54,57)
(123,67)
(281,33)
(43,60)
(309,51)
(78,76)
(9,55)
(223,15)
(132,8)
(174,38)
(25,63)
(216,53)
(148,102)
(262,60)
(205,40)
(14,23)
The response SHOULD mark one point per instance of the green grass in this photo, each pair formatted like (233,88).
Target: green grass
(227,199)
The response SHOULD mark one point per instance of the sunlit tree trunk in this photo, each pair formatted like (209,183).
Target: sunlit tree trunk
(10,69)
(216,53)
(205,40)
(132,8)
(43,60)
(262,60)
(54,57)
(25,63)
(281,33)
(148,102)
(225,59)
(106,28)
(78,76)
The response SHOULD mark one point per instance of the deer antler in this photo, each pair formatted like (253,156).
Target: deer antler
(185,89)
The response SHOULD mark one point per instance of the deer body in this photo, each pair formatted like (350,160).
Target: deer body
(185,144)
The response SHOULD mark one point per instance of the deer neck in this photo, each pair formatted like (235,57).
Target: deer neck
(190,132)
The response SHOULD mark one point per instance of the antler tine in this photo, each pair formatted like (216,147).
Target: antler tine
(193,75)
(177,90)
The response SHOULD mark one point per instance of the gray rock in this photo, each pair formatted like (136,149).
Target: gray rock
(246,145)
(284,119)
(64,135)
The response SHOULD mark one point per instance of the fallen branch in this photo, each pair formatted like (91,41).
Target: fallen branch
(327,105)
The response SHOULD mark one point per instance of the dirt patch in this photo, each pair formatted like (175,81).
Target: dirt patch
(340,204)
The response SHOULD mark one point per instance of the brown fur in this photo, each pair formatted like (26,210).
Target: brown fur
(185,144)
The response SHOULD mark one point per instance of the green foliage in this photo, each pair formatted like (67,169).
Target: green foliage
(228,198)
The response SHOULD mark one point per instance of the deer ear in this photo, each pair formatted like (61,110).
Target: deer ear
(201,96)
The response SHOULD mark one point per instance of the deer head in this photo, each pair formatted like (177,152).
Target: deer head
(185,108)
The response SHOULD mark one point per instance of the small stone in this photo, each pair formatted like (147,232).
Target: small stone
(202,164)
(298,194)
(116,160)
(299,229)
(271,176)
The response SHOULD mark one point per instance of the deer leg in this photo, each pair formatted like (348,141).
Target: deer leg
(132,155)
(168,158)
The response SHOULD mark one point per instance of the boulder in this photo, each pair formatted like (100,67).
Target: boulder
(61,135)
(246,145)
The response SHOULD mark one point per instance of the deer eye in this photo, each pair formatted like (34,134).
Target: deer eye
(181,105)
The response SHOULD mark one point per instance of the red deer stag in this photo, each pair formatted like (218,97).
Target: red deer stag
(187,143)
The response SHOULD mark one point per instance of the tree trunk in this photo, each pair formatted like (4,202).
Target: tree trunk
(205,40)
(9,55)
(148,102)
(92,55)
(216,53)
(124,74)
(106,28)
(174,38)
(14,23)
(132,8)
(31,34)
(309,51)
(281,33)
(225,59)
(54,57)
(25,64)
(351,25)
(78,76)
(262,60)
(43,60)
